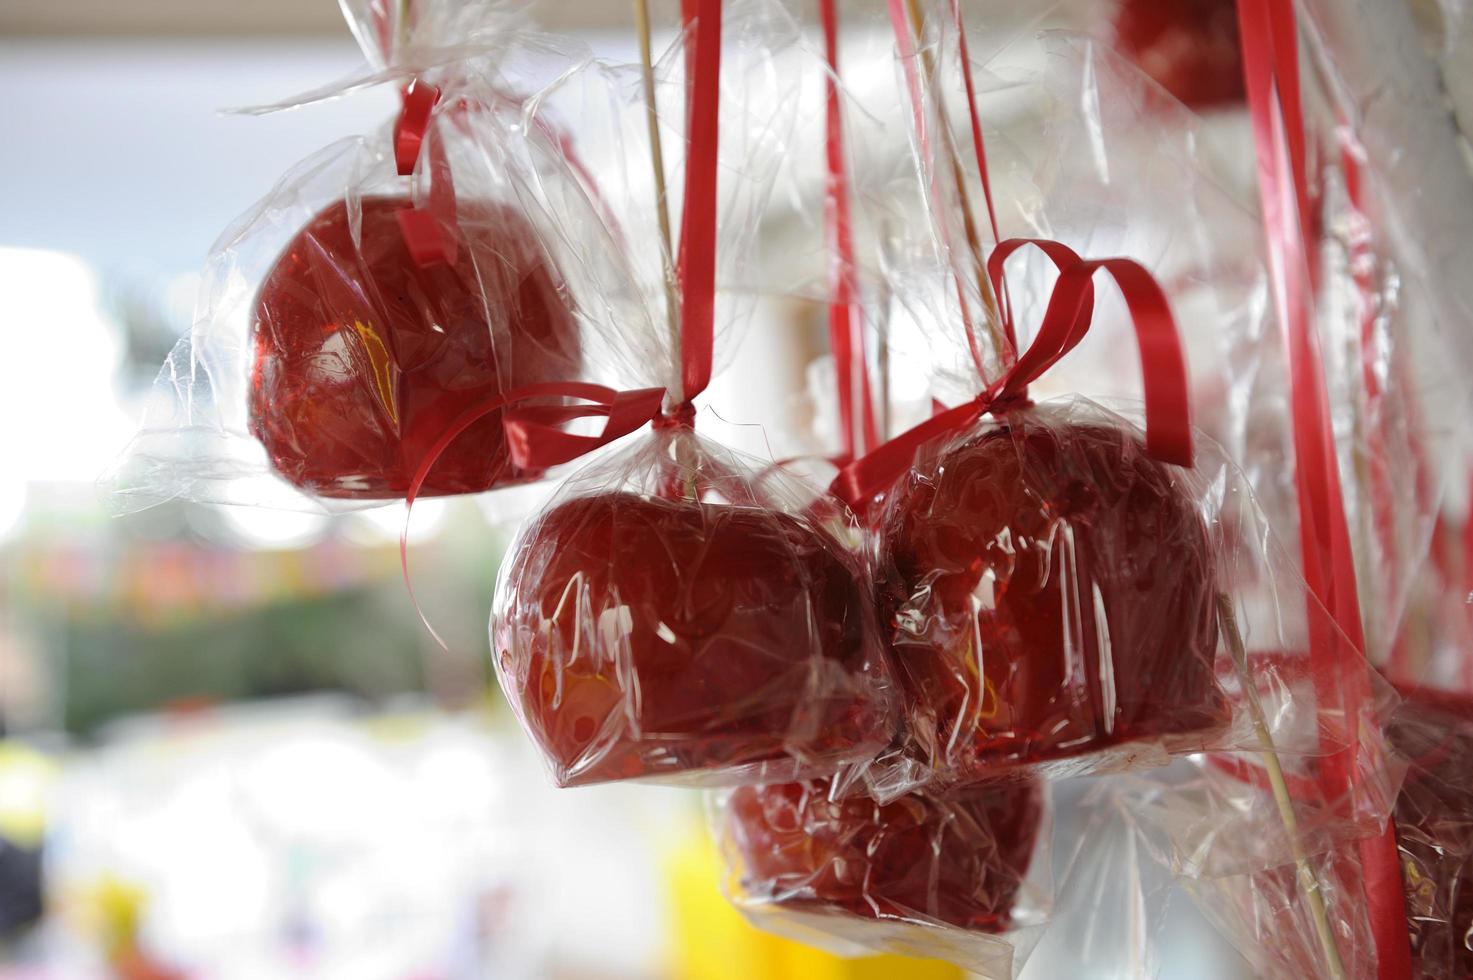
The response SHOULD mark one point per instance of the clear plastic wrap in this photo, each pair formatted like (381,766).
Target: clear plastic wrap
(633,338)
(963,877)
(1434,829)
(1052,593)
(678,612)
(1213,823)
(385,286)
(1058,592)
(1058,601)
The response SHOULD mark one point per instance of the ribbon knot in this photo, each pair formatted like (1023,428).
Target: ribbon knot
(999,399)
(1066,320)
(682,416)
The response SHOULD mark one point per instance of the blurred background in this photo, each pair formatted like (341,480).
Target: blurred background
(230,747)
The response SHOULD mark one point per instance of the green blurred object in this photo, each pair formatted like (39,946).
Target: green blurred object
(351,642)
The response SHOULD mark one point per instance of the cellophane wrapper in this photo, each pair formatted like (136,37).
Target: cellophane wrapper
(630,340)
(1388,308)
(1213,822)
(964,877)
(683,614)
(329,349)
(1058,602)
(1434,829)
(1086,149)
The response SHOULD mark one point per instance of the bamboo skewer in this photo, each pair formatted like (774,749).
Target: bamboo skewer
(1309,884)
(991,314)
(662,204)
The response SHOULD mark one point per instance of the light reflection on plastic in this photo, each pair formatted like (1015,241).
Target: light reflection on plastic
(387,523)
(265,528)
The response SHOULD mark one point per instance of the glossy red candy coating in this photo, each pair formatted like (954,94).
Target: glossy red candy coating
(1048,591)
(1190,47)
(1434,830)
(958,859)
(363,359)
(644,637)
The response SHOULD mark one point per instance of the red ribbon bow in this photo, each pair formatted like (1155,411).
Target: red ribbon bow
(1067,318)
(535,438)
(1066,321)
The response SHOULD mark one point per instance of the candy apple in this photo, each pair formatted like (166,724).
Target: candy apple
(958,859)
(639,636)
(1190,47)
(363,357)
(1048,591)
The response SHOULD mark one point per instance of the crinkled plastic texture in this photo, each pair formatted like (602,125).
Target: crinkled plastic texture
(1434,830)
(1432,649)
(962,877)
(1391,320)
(1216,826)
(1388,325)
(354,314)
(682,614)
(1103,159)
(1053,599)
(1265,916)
(603,103)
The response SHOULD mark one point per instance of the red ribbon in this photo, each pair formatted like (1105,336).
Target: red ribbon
(846,320)
(1271,68)
(1066,321)
(697,261)
(533,438)
(428,232)
(416,105)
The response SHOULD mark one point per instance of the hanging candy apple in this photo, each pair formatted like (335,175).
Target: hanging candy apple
(1190,47)
(958,860)
(1049,592)
(364,357)
(641,635)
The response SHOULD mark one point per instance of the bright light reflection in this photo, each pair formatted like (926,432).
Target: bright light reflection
(387,523)
(265,528)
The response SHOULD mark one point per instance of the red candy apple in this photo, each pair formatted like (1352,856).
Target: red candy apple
(1190,47)
(1434,829)
(1049,591)
(363,358)
(957,859)
(645,637)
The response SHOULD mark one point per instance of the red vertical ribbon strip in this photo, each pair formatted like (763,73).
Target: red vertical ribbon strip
(697,261)
(1337,663)
(846,317)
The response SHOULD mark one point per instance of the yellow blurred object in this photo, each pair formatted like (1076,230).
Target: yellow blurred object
(114,909)
(26,778)
(712,941)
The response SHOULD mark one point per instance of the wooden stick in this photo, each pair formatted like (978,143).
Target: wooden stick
(1308,883)
(662,206)
(991,314)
